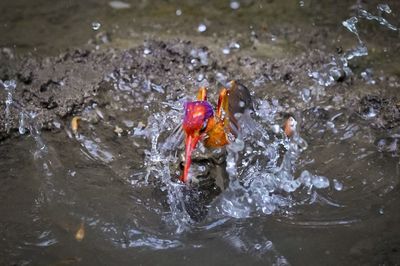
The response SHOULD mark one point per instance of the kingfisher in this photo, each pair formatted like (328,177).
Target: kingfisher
(217,128)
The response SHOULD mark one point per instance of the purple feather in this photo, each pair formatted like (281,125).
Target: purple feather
(196,113)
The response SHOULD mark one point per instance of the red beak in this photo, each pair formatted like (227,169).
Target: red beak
(190,142)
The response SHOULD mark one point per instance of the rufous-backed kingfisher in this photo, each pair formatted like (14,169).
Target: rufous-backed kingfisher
(201,123)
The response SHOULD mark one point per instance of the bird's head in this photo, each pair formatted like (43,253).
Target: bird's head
(197,115)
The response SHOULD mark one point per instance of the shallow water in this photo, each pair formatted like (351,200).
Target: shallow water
(327,196)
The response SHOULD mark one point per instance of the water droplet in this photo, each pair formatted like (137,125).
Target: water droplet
(337,185)
(350,24)
(9,86)
(268,245)
(234,5)
(320,181)
(202,27)
(146,51)
(203,55)
(221,78)
(330,125)
(200,77)
(178,12)
(276,128)
(381,211)
(226,50)
(57,124)
(384,8)
(119,5)
(21,128)
(194,62)
(96,26)
(306,95)
(234,45)
(290,186)
(301,3)
(371,113)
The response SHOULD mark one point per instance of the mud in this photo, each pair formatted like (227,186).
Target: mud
(57,88)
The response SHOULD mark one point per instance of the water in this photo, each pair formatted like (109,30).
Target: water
(202,27)
(96,26)
(234,5)
(365,14)
(9,86)
(119,5)
(328,195)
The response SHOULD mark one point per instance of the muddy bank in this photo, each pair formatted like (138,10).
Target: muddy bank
(56,88)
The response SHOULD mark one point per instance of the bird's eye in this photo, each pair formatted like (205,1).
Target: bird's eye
(204,126)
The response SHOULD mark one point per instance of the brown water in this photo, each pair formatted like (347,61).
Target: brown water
(342,211)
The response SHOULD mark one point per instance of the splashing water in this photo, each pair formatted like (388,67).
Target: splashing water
(260,164)
(27,120)
(22,126)
(201,55)
(384,8)
(264,170)
(158,161)
(9,86)
(338,69)
(382,21)
(350,24)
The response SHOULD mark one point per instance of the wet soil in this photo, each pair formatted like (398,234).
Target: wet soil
(57,88)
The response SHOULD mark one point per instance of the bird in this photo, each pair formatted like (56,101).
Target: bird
(217,128)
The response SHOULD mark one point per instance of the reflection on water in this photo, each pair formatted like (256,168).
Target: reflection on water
(114,184)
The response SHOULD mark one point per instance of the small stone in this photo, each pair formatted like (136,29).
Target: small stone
(118,131)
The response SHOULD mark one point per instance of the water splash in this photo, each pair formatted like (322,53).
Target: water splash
(159,161)
(257,245)
(22,126)
(231,46)
(260,163)
(338,69)
(201,55)
(9,86)
(266,168)
(384,8)
(362,13)
(350,24)
(27,120)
